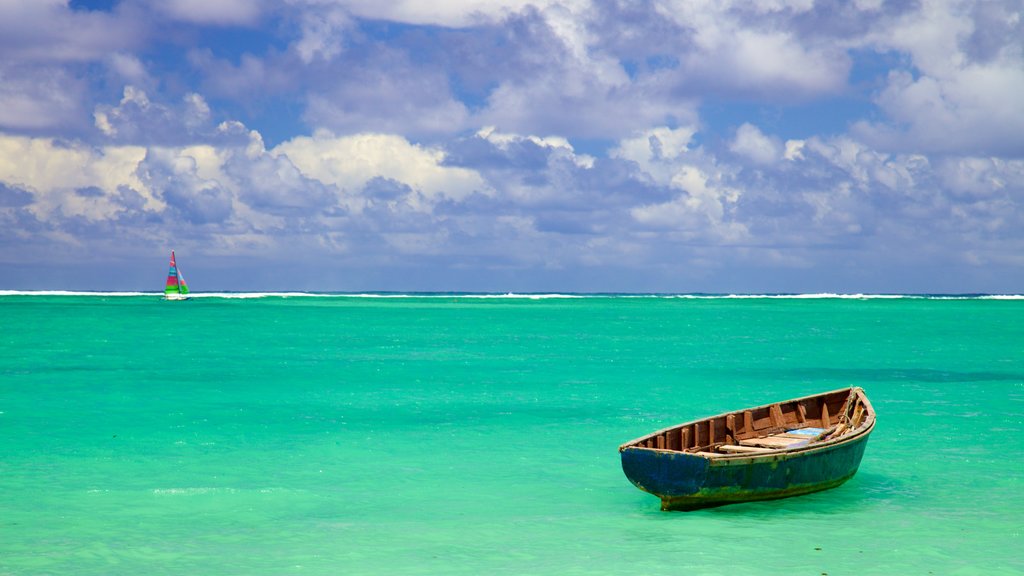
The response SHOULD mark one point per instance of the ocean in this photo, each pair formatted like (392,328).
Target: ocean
(478,434)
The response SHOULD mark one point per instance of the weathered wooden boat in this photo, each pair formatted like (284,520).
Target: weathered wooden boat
(773,451)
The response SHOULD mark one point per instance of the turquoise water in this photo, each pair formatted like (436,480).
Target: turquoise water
(457,435)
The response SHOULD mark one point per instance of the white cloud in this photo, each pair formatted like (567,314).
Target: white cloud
(703,203)
(190,182)
(757,60)
(451,13)
(503,140)
(250,76)
(39,98)
(733,54)
(219,12)
(323,33)
(53,172)
(204,183)
(574,102)
(932,35)
(389,93)
(658,152)
(974,108)
(197,111)
(753,144)
(129,69)
(934,174)
(658,202)
(50,31)
(983,177)
(864,166)
(349,162)
(704,209)
(794,150)
(957,98)
(137,119)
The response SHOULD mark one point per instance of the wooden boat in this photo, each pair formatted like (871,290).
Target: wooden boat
(773,451)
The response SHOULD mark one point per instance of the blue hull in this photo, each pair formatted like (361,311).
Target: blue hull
(686,481)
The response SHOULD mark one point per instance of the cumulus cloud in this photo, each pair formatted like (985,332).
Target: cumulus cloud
(842,197)
(563,81)
(975,108)
(136,119)
(46,48)
(961,95)
(453,13)
(753,48)
(517,136)
(175,177)
(703,211)
(657,152)
(769,62)
(52,171)
(755,145)
(504,141)
(39,98)
(659,200)
(702,202)
(272,184)
(50,31)
(349,162)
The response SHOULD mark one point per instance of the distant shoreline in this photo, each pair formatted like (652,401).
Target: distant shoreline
(523,295)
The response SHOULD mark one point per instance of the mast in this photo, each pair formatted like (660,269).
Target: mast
(177,273)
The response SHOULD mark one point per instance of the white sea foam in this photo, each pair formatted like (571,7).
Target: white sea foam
(825,295)
(527,296)
(247,295)
(814,296)
(386,295)
(72,293)
(195,491)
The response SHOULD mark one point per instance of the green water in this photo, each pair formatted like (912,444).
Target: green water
(454,435)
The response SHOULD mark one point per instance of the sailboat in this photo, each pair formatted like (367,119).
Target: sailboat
(176,289)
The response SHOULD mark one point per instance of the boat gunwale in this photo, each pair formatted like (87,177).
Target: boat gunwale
(772,454)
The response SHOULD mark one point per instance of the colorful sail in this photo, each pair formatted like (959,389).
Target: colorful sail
(175,281)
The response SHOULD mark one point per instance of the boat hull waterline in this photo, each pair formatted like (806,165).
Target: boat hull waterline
(688,469)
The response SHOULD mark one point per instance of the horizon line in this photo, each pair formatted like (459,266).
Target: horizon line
(526,294)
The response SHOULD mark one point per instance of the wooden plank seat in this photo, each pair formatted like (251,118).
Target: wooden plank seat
(733,449)
(775,441)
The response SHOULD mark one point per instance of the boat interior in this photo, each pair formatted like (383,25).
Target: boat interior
(773,427)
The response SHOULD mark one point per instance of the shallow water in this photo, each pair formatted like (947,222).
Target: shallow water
(458,435)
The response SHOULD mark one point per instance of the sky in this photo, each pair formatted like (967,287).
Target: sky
(723,146)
